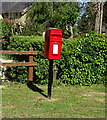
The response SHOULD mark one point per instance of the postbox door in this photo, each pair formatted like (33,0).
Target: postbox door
(55,50)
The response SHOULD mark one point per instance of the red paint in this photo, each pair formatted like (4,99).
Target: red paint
(53,43)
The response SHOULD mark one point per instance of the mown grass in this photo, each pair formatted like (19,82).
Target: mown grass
(18,101)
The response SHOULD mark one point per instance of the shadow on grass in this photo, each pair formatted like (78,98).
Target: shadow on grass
(35,88)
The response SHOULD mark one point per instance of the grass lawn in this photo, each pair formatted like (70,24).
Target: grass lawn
(18,101)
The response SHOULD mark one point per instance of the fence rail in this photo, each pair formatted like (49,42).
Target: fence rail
(19,52)
(19,64)
(30,64)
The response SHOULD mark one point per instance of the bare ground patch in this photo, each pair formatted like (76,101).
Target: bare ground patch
(46,99)
(1,86)
(99,99)
(95,93)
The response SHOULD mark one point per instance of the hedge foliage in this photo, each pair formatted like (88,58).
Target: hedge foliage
(84,59)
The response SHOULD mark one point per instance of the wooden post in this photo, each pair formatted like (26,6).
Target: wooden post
(54,75)
(30,69)
(50,80)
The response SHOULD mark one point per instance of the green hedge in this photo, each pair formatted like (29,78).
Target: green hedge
(83,61)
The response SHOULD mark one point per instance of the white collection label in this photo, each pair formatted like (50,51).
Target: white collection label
(55,48)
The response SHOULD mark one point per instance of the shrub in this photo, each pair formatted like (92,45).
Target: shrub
(24,43)
(5,32)
(83,61)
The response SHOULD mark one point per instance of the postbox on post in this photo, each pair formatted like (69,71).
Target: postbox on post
(53,43)
(52,50)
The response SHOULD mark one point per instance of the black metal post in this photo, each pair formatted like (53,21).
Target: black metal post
(50,80)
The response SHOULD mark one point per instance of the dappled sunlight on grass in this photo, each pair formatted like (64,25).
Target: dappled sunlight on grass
(67,102)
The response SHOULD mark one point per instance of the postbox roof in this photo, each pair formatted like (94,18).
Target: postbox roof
(55,30)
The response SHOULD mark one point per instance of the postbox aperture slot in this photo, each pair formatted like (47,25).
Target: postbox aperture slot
(56,35)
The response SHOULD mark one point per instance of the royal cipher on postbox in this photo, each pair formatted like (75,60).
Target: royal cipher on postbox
(53,43)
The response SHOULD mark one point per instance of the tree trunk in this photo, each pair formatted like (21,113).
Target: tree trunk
(106,30)
(71,30)
(97,20)
(99,17)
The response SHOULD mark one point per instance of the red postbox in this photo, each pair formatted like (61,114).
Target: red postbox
(53,43)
